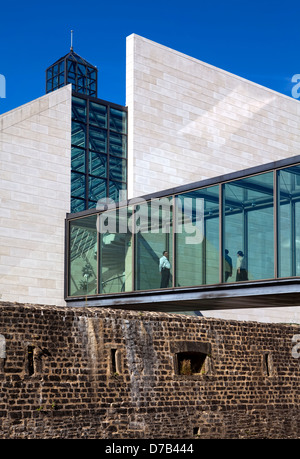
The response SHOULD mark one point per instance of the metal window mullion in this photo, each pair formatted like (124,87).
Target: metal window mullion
(276,207)
(87,142)
(221,232)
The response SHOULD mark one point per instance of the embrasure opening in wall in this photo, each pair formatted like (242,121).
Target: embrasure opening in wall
(190,363)
(30,360)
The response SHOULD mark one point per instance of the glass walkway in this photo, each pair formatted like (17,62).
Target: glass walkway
(226,238)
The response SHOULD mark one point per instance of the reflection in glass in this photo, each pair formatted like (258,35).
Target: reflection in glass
(78,109)
(97,188)
(117,145)
(117,169)
(78,134)
(83,256)
(77,205)
(98,115)
(249,225)
(289,222)
(77,185)
(117,120)
(115,265)
(97,164)
(78,159)
(197,237)
(152,224)
(117,191)
(98,139)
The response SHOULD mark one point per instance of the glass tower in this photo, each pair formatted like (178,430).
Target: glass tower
(99,134)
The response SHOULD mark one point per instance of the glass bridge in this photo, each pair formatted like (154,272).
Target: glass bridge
(232,242)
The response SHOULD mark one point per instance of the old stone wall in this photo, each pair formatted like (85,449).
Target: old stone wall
(99,373)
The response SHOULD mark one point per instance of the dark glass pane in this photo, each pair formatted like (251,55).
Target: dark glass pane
(71,78)
(49,74)
(78,159)
(97,188)
(98,140)
(83,256)
(55,69)
(49,85)
(78,134)
(61,78)
(77,205)
(97,164)
(78,109)
(61,67)
(197,237)
(117,121)
(81,69)
(55,82)
(117,191)
(71,66)
(91,73)
(249,227)
(77,185)
(117,145)
(117,169)
(98,115)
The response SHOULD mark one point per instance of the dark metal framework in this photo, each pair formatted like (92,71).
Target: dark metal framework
(103,147)
(72,69)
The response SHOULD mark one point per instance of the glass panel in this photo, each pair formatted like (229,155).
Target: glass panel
(117,191)
(77,185)
(78,109)
(72,78)
(117,120)
(197,237)
(49,73)
(117,145)
(81,69)
(98,164)
(77,205)
(61,79)
(288,222)
(71,66)
(152,223)
(117,169)
(49,85)
(249,227)
(97,188)
(98,140)
(78,134)
(83,256)
(78,160)
(55,82)
(55,69)
(98,115)
(115,251)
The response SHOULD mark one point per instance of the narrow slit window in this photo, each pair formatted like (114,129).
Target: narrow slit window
(30,360)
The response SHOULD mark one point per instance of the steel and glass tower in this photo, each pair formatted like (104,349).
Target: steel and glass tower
(99,134)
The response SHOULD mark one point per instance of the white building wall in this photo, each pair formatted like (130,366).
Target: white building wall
(35,152)
(189,120)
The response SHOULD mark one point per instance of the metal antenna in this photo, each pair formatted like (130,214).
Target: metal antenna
(71,40)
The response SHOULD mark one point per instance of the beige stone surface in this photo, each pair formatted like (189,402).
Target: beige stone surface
(35,152)
(190,121)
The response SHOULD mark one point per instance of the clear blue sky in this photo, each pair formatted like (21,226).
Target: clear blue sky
(257,40)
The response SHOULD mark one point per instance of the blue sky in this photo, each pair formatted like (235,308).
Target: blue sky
(257,40)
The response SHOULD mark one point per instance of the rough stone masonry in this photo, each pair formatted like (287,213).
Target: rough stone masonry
(111,374)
